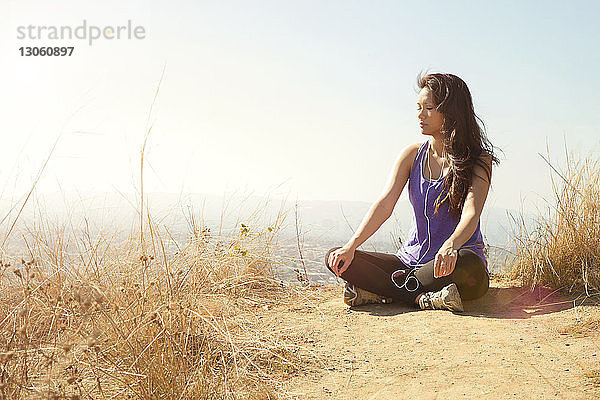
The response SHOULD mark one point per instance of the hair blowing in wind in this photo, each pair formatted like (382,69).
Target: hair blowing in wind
(465,141)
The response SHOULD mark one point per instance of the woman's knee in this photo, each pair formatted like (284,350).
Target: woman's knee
(483,287)
(479,287)
(470,275)
(469,260)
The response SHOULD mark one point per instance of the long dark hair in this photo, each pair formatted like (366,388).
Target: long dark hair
(465,141)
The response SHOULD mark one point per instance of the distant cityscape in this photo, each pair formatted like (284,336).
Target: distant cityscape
(309,228)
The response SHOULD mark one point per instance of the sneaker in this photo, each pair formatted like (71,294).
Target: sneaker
(355,296)
(446,299)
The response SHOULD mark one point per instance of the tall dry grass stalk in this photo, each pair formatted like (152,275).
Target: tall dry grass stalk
(563,248)
(91,316)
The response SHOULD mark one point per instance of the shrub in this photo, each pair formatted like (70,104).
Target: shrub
(563,248)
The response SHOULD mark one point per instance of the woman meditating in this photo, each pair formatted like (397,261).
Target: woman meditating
(448,176)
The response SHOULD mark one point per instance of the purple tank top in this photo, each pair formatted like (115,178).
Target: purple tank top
(429,232)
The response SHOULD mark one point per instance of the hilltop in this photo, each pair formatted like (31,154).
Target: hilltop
(512,343)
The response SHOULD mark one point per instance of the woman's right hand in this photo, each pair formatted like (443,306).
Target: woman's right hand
(340,259)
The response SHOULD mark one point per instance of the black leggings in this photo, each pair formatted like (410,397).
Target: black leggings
(373,271)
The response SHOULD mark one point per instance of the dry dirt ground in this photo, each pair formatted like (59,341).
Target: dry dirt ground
(512,343)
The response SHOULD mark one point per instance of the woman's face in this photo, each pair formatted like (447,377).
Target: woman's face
(430,119)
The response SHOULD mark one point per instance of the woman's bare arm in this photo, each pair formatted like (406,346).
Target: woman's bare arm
(383,207)
(340,259)
(445,259)
(473,206)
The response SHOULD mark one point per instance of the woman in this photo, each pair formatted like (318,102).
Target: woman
(448,178)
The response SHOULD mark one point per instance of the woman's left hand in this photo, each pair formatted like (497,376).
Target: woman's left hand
(445,260)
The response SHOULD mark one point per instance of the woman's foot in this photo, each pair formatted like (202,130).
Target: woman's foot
(355,296)
(446,299)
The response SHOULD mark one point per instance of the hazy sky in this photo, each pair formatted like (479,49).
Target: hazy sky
(312,99)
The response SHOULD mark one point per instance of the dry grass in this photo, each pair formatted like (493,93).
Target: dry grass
(594,376)
(588,327)
(90,316)
(87,315)
(563,248)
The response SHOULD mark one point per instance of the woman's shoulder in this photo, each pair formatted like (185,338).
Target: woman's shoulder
(411,151)
(416,146)
(406,158)
(482,167)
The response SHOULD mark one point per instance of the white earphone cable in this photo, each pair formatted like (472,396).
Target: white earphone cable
(409,277)
(425,205)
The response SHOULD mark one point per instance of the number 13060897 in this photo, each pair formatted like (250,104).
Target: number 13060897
(46,51)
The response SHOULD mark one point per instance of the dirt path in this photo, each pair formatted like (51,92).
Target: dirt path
(505,345)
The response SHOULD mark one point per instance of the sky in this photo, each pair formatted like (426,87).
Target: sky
(306,99)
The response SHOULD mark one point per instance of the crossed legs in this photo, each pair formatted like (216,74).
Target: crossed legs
(373,271)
